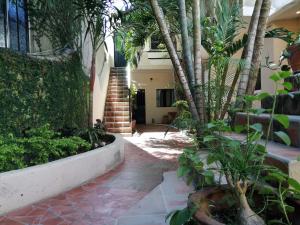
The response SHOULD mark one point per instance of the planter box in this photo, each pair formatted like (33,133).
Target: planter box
(23,187)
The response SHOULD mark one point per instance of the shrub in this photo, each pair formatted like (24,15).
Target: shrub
(38,146)
(34,92)
(11,156)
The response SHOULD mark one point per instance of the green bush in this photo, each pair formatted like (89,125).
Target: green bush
(34,92)
(38,146)
(11,156)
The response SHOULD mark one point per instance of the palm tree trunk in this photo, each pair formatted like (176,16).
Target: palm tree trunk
(159,16)
(92,84)
(199,96)
(231,91)
(259,44)
(187,56)
(244,76)
(222,91)
(210,6)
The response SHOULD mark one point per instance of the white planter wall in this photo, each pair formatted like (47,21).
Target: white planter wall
(23,187)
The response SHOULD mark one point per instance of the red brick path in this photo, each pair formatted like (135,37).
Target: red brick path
(104,199)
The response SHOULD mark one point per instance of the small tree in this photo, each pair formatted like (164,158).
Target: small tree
(97,19)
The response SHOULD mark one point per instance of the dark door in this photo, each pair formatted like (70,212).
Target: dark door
(139,111)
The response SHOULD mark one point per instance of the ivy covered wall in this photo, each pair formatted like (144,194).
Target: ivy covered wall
(34,92)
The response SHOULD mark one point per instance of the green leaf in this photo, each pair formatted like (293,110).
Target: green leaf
(277,176)
(284,137)
(282,92)
(259,111)
(283,119)
(209,177)
(211,158)
(275,77)
(289,209)
(211,125)
(239,128)
(295,184)
(209,138)
(257,127)
(182,171)
(287,85)
(180,217)
(298,158)
(250,98)
(262,95)
(284,74)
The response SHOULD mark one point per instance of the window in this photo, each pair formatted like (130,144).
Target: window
(165,97)
(14,25)
(157,43)
(2,24)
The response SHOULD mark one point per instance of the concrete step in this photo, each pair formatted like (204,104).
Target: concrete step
(117,124)
(293,131)
(123,130)
(116,113)
(118,83)
(108,119)
(170,195)
(288,104)
(116,104)
(279,155)
(120,95)
(117,99)
(117,88)
(116,108)
(117,92)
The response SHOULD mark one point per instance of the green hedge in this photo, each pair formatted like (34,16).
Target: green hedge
(38,146)
(34,92)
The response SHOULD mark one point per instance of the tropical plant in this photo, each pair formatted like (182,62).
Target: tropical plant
(98,19)
(241,162)
(37,146)
(254,46)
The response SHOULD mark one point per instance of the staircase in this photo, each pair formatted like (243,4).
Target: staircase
(117,111)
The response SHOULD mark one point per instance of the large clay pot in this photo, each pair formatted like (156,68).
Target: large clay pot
(204,198)
(294,59)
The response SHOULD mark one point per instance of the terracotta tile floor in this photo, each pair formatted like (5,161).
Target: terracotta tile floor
(103,200)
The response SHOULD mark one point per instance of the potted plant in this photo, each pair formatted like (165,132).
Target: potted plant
(248,192)
(292,53)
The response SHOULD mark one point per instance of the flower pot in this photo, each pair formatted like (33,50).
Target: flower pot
(294,58)
(217,200)
(203,198)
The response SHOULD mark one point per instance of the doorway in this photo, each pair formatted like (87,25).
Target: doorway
(119,52)
(139,112)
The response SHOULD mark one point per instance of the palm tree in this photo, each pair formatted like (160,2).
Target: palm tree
(159,16)
(186,42)
(258,47)
(199,80)
(94,15)
(248,52)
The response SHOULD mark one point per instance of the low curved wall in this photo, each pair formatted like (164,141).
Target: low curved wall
(23,187)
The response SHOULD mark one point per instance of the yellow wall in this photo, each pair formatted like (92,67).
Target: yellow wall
(161,79)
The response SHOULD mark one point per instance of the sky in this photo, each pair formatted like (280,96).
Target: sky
(276,5)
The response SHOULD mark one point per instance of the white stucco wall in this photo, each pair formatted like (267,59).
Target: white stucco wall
(23,187)
(104,61)
(161,79)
